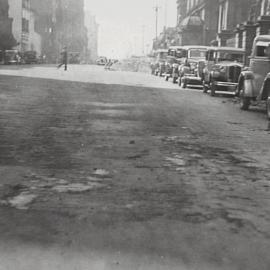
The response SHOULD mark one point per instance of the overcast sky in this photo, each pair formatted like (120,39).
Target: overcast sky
(123,22)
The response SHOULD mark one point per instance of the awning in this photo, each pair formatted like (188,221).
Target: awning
(191,21)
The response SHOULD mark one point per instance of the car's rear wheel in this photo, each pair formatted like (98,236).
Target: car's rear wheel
(174,79)
(166,78)
(244,101)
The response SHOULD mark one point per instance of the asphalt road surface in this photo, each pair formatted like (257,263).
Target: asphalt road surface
(110,170)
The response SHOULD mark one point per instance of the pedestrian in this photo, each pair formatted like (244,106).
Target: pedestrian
(64,58)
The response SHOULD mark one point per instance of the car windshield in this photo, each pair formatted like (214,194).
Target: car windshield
(230,56)
(197,53)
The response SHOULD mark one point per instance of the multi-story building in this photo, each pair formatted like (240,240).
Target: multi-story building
(7,40)
(92,34)
(197,21)
(231,13)
(257,23)
(23,26)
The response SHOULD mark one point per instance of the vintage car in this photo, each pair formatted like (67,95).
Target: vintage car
(101,61)
(30,57)
(193,62)
(12,57)
(160,60)
(254,82)
(175,53)
(222,69)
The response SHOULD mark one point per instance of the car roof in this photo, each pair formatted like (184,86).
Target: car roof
(195,47)
(175,47)
(227,49)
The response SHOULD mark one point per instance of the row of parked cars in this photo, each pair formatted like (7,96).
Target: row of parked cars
(220,69)
(10,57)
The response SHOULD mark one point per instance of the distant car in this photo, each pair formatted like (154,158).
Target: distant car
(222,69)
(12,57)
(193,62)
(160,59)
(74,58)
(101,61)
(30,57)
(254,83)
(175,53)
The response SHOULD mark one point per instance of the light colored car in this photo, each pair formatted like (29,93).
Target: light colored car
(222,69)
(254,83)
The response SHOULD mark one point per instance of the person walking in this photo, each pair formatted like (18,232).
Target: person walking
(64,58)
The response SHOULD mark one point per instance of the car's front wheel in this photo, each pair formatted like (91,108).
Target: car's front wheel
(244,101)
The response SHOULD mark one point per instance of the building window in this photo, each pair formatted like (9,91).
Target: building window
(26,4)
(223,15)
(25,25)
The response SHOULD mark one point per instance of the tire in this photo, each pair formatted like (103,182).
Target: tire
(174,79)
(268,107)
(244,101)
(213,89)
(166,78)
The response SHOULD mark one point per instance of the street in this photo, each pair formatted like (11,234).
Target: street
(122,170)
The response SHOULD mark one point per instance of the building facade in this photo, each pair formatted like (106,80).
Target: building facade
(23,26)
(197,21)
(7,40)
(92,34)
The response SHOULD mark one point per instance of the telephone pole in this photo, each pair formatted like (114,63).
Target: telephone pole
(156,9)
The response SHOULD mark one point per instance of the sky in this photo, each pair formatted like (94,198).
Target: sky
(127,27)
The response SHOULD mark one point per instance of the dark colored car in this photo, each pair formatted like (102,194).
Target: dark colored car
(222,69)
(175,53)
(160,59)
(193,62)
(254,83)
(30,57)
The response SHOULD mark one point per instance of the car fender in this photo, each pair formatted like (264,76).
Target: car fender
(265,91)
(246,79)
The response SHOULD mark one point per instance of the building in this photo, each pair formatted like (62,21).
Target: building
(60,23)
(257,22)
(231,14)
(168,37)
(92,35)
(45,22)
(23,26)
(7,40)
(197,21)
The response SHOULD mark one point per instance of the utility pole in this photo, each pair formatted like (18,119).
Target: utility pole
(156,9)
(143,30)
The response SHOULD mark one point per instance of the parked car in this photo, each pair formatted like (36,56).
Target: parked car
(175,53)
(74,58)
(222,69)
(30,57)
(12,57)
(101,61)
(160,56)
(254,83)
(193,63)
